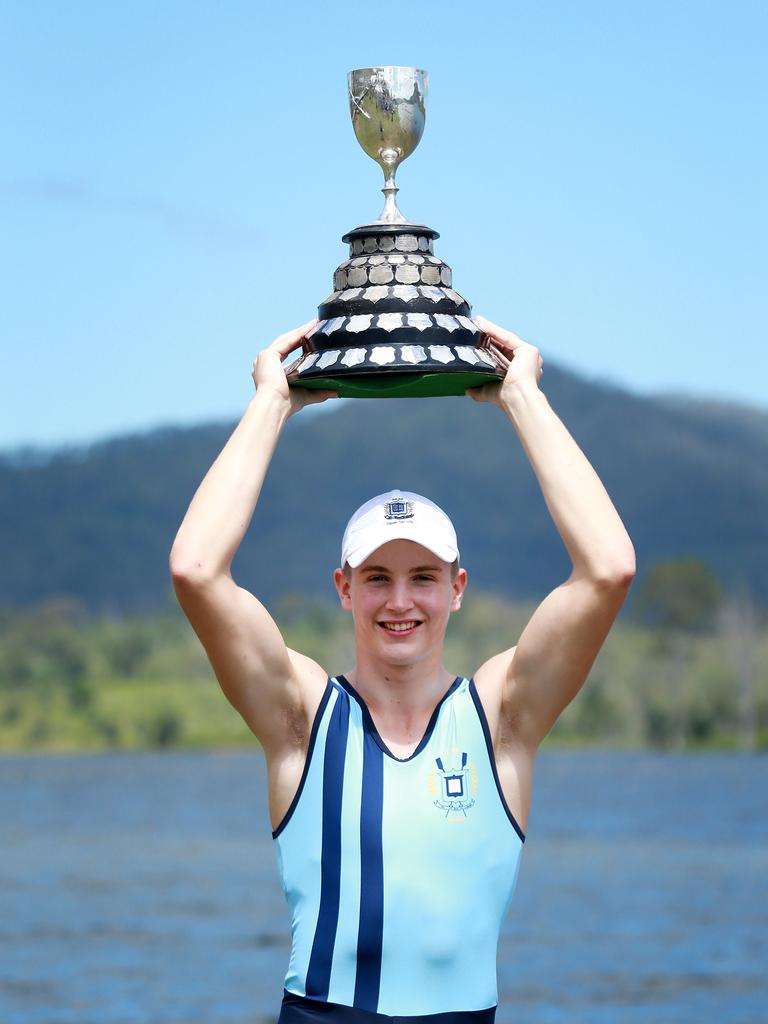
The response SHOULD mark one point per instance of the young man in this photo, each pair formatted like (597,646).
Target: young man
(399,793)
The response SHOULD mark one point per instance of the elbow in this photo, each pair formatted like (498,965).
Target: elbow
(629,564)
(186,571)
(618,572)
(178,566)
(623,578)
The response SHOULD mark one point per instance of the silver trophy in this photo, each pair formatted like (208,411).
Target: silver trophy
(393,325)
(388,108)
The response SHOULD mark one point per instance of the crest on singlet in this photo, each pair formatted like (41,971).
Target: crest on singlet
(453,784)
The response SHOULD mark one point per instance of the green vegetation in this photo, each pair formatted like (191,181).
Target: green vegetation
(98,521)
(687,670)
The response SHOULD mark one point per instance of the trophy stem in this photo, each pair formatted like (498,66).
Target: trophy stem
(389,162)
(390,214)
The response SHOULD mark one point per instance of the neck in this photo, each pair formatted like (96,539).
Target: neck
(407,689)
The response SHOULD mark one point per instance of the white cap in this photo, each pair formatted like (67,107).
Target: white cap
(398,515)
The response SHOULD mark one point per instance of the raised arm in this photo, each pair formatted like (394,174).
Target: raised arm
(270,685)
(544,672)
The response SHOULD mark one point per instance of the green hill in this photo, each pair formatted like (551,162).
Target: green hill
(98,521)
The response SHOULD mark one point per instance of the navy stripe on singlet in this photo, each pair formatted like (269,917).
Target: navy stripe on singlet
(371,926)
(319,970)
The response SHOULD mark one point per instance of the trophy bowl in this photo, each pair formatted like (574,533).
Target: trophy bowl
(388,107)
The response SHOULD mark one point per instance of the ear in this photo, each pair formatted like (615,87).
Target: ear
(342,585)
(458,587)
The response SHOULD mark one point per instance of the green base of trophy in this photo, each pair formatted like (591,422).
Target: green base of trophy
(404,385)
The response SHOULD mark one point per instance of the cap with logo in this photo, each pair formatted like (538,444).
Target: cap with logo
(398,515)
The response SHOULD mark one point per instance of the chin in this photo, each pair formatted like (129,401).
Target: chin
(402,655)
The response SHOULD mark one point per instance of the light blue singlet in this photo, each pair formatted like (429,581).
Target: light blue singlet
(397,872)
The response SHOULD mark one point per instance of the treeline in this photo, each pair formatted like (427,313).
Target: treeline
(98,521)
(688,668)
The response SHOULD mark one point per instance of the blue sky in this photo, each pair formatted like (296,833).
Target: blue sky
(175,179)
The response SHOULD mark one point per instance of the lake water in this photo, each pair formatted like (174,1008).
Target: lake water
(141,888)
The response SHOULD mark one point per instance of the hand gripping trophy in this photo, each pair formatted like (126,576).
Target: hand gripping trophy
(393,325)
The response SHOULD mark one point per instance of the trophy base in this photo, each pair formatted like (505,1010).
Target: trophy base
(401,385)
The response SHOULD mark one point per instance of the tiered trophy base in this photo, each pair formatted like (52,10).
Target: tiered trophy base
(394,326)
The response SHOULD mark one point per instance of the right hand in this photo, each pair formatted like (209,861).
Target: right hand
(269,373)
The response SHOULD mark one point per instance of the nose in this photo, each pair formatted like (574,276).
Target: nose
(399,598)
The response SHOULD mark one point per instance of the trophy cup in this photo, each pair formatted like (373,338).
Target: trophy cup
(393,325)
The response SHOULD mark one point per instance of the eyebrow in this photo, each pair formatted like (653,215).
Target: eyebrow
(418,568)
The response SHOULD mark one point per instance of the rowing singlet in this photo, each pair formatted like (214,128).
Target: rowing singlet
(397,872)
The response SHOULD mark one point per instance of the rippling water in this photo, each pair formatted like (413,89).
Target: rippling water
(142,887)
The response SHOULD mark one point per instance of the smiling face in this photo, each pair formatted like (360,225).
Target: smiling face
(401,598)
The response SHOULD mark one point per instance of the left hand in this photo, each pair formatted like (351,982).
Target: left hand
(524,364)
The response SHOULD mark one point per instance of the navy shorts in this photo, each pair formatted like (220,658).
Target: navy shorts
(300,1010)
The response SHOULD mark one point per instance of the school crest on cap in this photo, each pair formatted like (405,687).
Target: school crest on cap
(398,508)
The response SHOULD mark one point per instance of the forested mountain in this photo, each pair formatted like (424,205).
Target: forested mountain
(688,477)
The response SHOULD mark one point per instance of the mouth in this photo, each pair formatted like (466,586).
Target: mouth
(407,627)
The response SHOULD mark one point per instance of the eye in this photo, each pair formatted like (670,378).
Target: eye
(424,576)
(375,579)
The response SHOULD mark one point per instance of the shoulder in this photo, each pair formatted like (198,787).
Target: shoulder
(307,671)
(492,677)
(311,682)
(493,685)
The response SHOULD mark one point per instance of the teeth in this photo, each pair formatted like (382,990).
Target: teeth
(399,627)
